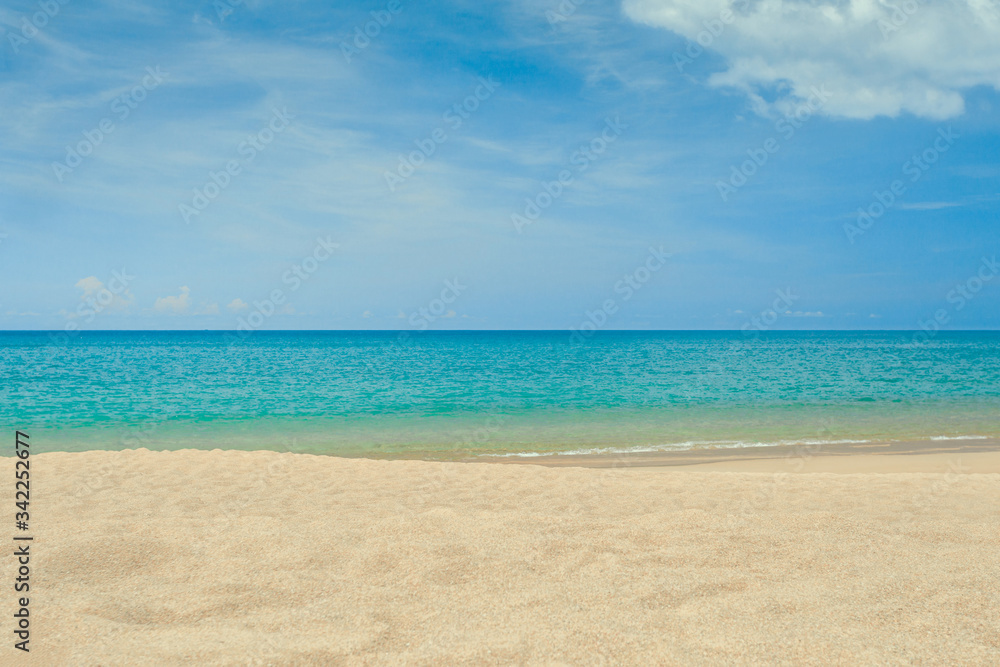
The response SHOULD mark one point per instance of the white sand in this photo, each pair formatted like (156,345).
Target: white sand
(264,558)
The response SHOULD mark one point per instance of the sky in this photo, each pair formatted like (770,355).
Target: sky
(528,164)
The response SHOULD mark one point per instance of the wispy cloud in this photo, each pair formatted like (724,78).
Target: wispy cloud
(324,174)
(876,59)
(928,205)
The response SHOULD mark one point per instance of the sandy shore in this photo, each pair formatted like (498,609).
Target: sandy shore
(844,457)
(264,558)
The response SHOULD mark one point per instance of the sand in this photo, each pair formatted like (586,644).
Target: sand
(238,558)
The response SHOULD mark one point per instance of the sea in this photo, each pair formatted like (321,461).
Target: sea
(456,395)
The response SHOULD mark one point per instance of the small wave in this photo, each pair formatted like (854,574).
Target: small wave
(674,447)
(721,444)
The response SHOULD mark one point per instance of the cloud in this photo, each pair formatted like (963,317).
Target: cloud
(100,298)
(237,305)
(90,285)
(875,59)
(929,205)
(175,305)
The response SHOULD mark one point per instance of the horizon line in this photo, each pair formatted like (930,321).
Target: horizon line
(567,330)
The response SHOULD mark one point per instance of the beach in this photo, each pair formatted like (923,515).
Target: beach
(232,558)
(634,332)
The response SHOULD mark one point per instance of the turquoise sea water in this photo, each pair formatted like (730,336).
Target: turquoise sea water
(455,394)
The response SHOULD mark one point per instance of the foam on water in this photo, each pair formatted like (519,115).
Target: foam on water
(689,446)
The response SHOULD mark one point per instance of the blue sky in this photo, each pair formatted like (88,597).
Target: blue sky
(645,129)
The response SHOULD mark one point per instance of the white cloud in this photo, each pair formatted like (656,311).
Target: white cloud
(98,297)
(874,58)
(90,285)
(237,305)
(176,305)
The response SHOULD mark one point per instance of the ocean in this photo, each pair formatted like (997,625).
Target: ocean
(444,395)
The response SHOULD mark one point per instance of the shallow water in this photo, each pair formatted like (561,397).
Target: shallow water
(460,393)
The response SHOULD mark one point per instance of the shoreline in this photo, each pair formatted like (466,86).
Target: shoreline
(842,457)
(897,456)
